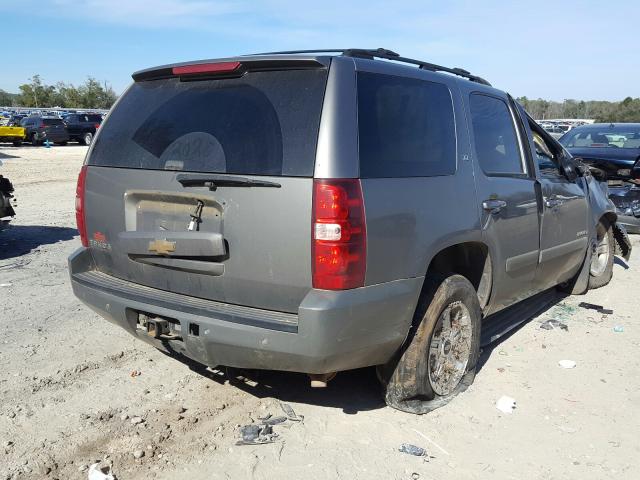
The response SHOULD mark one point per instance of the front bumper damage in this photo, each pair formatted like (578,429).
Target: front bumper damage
(626,198)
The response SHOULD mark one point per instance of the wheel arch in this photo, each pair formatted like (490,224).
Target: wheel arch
(472,260)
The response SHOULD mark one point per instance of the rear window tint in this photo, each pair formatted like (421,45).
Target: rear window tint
(406,127)
(52,121)
(265,123)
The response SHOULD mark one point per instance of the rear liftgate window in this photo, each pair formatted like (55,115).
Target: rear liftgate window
(406,127)
(264,123)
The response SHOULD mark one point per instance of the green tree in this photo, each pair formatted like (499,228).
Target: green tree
(37,94)
(6,99)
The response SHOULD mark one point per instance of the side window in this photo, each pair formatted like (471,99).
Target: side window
(406,127)
(544,156)
(495,137)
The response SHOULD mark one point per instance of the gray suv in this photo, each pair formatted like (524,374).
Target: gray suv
(324,211)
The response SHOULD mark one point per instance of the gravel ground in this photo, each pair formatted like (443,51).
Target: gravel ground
(75,389)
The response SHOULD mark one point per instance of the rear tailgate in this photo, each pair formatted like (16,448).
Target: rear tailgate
(203,186)
(12,132)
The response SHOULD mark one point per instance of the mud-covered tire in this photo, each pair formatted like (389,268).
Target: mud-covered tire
(601,267)
(409,382)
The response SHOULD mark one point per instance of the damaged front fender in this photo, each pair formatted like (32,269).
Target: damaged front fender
(622,244)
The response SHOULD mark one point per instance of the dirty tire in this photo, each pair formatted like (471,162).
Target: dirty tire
(87,138)
(409,383)
(601,268)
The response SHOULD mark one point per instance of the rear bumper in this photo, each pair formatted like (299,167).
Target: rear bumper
(56,137)
(333,331)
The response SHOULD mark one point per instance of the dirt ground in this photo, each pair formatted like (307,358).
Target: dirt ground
(68,398)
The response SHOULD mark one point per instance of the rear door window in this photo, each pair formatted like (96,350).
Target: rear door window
(494,133)
(406,127)
(264,123)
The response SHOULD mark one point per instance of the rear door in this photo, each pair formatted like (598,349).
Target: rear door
(507,194)
(203,185)
(72,124)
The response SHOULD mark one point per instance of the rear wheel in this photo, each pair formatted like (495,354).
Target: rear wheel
(87,138)
(34,140)
(601,267)
(439,358)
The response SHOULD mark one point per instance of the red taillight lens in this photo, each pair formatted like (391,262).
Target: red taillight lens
(200,68)
(96,126)
(80,189)
(339,236)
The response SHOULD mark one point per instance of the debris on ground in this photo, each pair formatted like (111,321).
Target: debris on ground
(564,311)
(98,472)
(257,435)
(554,324)
(567,364)
(291,415)
(412,450)
(598,308)
(135,373)
(273,420)
(618,329)
(506,404)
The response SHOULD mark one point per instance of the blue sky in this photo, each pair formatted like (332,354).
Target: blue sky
(550,49)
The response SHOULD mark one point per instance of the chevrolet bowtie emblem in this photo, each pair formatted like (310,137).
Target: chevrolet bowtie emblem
(162,247)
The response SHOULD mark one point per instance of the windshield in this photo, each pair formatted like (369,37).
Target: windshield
(264,123)
(617,136)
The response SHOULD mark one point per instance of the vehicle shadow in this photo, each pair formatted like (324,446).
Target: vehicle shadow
(621,262)
(352,391)
(7,155)
(511,320)
(358,390)
(17,240)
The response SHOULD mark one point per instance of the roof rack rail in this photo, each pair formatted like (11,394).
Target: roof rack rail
(370,54)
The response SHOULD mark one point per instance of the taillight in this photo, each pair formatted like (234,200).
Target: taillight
(339,236)
(96,126)
(80,190)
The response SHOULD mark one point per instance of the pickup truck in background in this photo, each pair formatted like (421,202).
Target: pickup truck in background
(15,135)
(82,126)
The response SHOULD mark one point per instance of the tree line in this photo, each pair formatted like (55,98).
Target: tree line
(628,110)
(93,94)
(36,93)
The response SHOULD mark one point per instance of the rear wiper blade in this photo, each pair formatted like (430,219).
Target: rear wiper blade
(214,181)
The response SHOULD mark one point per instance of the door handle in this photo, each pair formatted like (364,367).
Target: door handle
(552,202)
(494,205)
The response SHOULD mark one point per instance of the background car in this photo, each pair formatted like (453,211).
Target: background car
(615,150)
(82,126)
(39,129)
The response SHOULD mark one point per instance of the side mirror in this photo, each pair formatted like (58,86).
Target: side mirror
(569,168)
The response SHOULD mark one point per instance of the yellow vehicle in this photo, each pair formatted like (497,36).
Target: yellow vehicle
(16,135)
